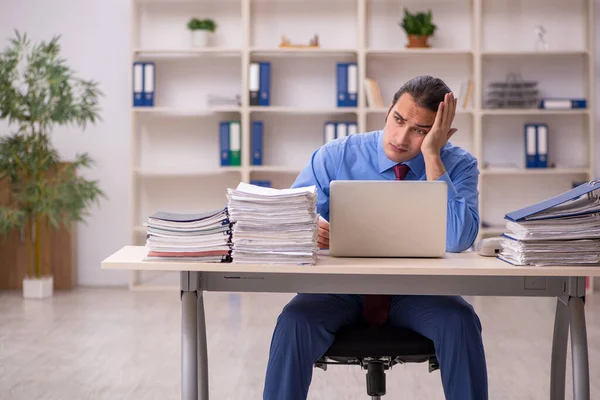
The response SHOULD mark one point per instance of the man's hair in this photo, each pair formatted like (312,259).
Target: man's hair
(426,90)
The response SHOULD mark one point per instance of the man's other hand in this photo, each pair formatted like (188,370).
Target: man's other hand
(323,233)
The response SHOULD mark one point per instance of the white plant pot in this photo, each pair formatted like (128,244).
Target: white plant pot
(34,288)
(200,38)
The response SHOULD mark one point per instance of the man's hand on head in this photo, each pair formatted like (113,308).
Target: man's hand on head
(323,233)
(442,130)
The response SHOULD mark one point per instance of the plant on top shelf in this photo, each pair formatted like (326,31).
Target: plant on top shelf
(201,30)
(37,92)
(418,27)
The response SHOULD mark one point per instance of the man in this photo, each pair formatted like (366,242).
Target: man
(416,132)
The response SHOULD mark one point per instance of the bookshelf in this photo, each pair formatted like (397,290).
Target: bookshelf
(175,144)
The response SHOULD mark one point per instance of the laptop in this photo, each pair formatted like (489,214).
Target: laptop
(387,218)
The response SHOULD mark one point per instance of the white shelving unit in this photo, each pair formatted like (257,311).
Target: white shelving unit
(175,147)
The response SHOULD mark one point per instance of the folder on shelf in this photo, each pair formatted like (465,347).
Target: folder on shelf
(329,131)
(542,146)
(530,145)
(138,84)
(149,84)
(352,128)
(257,142)
(264,84)
(352,85)
(373,93)
(262,183)
(341,130)
(562,104)
(224,143)
(235,143)
(575,202)
(342,84)
(347,84)
(253,83)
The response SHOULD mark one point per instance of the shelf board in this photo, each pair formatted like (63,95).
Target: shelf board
(533,111)
(173,173)
(275,168)
(533,171)
(519,53)
(291,51)
(303,111)
(184,111)
(418,51)
(383,110)
(187,52)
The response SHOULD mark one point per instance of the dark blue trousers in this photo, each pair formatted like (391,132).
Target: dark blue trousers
(306,327)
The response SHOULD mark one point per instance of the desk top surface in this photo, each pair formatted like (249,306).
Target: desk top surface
(466,263)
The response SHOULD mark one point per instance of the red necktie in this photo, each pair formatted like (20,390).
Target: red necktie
(376,306)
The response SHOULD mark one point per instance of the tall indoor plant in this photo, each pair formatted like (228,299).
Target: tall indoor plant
(37,92)
(418,28)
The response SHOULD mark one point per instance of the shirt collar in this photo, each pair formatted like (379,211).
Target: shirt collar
(416,164)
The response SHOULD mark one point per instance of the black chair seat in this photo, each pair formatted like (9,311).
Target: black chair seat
(360,341)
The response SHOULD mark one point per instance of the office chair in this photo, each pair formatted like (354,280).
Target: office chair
(377,350)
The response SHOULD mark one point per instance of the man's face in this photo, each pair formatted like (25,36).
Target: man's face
(405,128)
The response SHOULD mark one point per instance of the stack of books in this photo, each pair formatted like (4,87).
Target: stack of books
(273,225)
(202,237)
(563,230)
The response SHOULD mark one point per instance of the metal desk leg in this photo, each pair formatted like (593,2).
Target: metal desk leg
(194,360)
(189,346)
(579,350)
(558,366)
(202,350)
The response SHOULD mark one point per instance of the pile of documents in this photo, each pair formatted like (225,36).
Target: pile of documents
(202,237)
(273,225)
(563,230)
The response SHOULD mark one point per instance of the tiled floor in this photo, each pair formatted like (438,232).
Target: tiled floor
(115,344)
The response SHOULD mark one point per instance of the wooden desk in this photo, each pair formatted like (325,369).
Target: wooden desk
(456,274)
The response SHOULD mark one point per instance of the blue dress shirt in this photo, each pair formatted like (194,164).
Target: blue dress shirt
(361,157)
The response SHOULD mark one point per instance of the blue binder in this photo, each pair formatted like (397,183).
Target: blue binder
(541,160)
(530,134)
(257,142)
(149,84)
(224,143)
(342,84)
(137,84)
(264,86)
(531,212)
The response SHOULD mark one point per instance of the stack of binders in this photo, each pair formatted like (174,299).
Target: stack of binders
(202,237)
(273,225)
(230,143)
(536,145)
(259,83)
(143,84)
(347,84)
(338,129)
(563,230)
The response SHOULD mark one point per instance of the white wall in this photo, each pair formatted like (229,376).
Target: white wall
(96,42)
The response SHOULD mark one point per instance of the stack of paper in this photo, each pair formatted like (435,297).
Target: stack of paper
(563,230)
(273,225)
(199,237)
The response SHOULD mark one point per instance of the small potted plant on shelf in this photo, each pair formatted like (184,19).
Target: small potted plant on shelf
(418,28)
(201,31)
(37,92)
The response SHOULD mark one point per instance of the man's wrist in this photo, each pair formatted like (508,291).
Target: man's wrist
(434,167)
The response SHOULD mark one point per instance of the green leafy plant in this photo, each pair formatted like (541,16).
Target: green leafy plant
(202,24)
(418,24)
(37,92)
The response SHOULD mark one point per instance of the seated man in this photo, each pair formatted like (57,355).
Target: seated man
(415,137)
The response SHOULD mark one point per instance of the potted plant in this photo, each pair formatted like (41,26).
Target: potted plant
(201,31)
(418,28)
(37,92)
